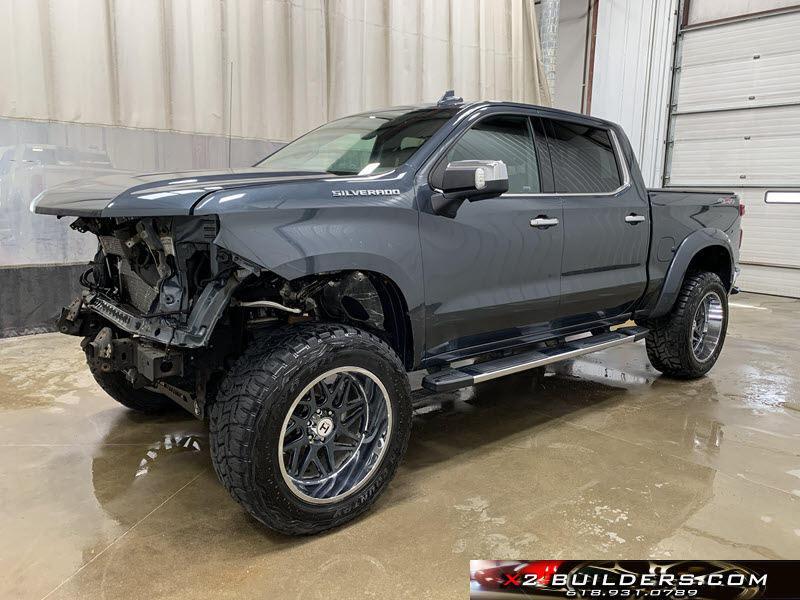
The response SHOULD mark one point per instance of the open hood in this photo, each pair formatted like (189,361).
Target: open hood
(159,194)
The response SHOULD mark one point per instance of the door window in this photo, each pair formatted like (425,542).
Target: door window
(584,161)
(507,138)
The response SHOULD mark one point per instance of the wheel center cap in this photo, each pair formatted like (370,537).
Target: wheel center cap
(324,427)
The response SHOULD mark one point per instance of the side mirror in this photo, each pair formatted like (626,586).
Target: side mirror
(470,180)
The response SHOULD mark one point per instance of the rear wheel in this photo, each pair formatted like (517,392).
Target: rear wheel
(310,426)
(686,343)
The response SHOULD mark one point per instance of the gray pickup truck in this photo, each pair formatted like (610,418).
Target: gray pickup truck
(287,302)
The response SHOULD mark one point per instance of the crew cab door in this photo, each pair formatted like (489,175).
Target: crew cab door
(489,274)
(606,222)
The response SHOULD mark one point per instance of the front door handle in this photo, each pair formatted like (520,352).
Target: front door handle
(634,218)
(543,221)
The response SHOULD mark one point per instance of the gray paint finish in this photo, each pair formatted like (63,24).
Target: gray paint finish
(157,195)
(485,277)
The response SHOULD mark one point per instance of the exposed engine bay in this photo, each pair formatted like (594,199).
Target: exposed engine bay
(172,310)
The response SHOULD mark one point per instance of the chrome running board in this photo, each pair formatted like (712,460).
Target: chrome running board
(453,379)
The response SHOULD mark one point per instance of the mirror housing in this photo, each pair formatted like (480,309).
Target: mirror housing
(470,180)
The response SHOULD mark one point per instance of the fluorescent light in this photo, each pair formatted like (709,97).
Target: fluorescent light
(780,197)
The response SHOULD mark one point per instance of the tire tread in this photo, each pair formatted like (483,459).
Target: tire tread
(267,365)
(666,342)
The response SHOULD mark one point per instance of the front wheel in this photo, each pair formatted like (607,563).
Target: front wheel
(310,426)
(686,343)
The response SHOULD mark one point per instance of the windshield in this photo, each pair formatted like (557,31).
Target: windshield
(360,145)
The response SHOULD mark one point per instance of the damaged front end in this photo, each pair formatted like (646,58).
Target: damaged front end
(156,290)
(171,310)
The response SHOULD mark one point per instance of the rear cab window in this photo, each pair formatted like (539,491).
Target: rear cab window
(584,159)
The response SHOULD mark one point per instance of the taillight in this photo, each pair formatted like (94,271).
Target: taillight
(741,231)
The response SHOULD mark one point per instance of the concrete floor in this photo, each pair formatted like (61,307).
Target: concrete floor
(598,458)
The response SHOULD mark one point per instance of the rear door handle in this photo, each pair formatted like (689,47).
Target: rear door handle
(634,218)
(543,222)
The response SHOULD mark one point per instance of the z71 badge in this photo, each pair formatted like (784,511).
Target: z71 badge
(338,193)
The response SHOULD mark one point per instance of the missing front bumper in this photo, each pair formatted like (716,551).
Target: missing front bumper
(181,331)
(143,363)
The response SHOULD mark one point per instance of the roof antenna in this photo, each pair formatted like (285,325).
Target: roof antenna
(230,116)
(449,98)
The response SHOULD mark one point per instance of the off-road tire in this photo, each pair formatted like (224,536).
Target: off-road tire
(141,400)
(247,418)
(669,338)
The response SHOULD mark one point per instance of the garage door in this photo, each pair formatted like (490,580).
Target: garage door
(735,124)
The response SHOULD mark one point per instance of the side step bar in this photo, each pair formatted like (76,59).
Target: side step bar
(453,379)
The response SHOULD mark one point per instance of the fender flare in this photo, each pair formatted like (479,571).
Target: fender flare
(688,249)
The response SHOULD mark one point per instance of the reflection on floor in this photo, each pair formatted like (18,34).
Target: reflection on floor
(597,457)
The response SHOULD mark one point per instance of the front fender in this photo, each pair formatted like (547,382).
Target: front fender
(688,249)
(297,242)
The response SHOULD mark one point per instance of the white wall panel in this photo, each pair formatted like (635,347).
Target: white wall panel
(702,11)
(770,280)
(781,124)
(771,231)
(731,148)
(741,64)
(736,126)
(633,59)
(297,63)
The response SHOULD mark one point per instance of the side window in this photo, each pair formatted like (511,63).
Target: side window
(583,159)
(507,138)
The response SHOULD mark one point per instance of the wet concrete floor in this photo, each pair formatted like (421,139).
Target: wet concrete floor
(596,458)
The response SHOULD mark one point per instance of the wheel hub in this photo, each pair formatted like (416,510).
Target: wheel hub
(707,326)
(335,434)
(322,426)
